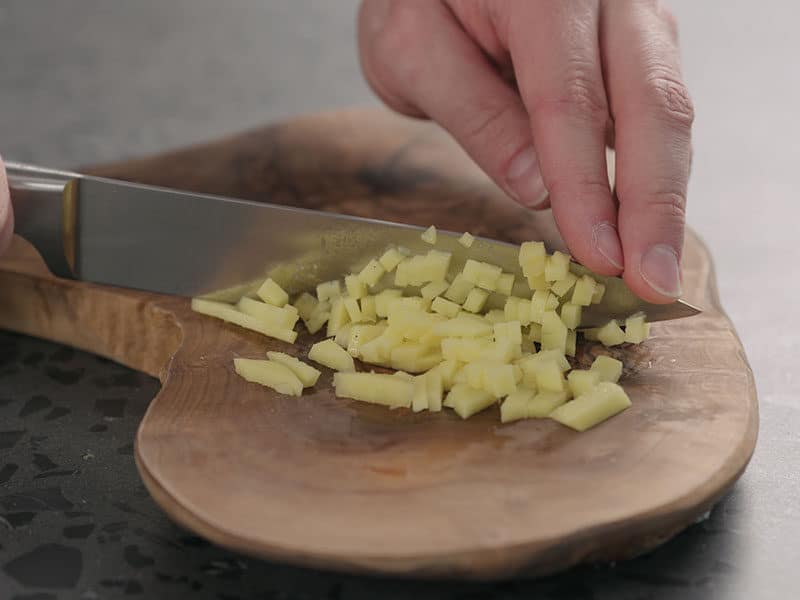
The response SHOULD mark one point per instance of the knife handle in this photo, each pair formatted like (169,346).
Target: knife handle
(45,213)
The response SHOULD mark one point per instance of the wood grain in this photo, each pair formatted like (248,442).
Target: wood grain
(332,483)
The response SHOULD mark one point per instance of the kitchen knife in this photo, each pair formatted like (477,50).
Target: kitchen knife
(173,242)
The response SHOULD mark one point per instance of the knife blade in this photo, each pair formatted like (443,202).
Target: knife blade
(186,244)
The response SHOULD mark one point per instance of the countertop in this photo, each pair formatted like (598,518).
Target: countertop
(97,80)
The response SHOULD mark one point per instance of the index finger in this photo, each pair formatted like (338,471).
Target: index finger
(6,215)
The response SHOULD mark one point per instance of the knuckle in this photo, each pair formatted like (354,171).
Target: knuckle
(666,203)
(485,123)
(582,95)
(668,96)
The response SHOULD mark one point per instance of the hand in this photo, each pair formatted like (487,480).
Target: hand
(6,216)
(533,90)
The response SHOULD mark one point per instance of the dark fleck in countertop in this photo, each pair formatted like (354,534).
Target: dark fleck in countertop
(98,80)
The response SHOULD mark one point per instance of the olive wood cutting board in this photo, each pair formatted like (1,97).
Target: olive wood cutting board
(333,483)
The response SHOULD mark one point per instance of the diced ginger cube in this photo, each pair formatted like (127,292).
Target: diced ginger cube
(554,332)
(495,316)
(503,351)
(318,317)
(419,399)
(445,307)
(270,374)
(561,287)
(372,273)
(515,406)
(464,325)
(571,315)
(390,259)
(353,309)
(463,349)
(599,292)
(282,318)
(329,290)
(459,289)
(539,303)
(429,235)
(545,403)
(610,369)
(342,336)
(611,334)
(271,293)
(505,284)
(476,300)
(434,289)
(511,308)
(414,357)
(339,317)
(361,335)
(375,388)
(498,379)
(355,287)
(447,369)
(230,314)
(636,329)
(604,401)
(582,381)
(509,330)
(483,275)
(467,401)
(549,377)
(532,257)
(572,342)
(332,355)
(369,312)
(466,239)
(556,266)
(305,305)
(307,374)
(537,282)
(583,291)
(382,300)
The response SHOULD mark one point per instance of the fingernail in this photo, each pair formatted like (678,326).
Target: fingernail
(606,242)
(660,269)
(525,179)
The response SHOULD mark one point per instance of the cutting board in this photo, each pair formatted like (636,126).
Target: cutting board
(332,483)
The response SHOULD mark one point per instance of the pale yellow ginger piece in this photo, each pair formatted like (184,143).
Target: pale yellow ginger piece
(414,358)
(269,374)
(329,290)
(553,355)
(375,388)
(429,235)
(415,303)
(401,278)
(434,386)
(505,284)
(305,305)
(419,400)
(307,374)
(371,274)
(599,292)
(421,269)
(508,330)
(445,307)
(464,325)
(342,336)
(582,381)
(545,403)
(332,355)
(494,377)
(463,349)
(447,369)
(413,322)
(434,289)
(554,332)
(339,317)
(369,313)
(611,334)
(483,275)
(515,406)
(228,313)
(285,317)
(549,377)
(552,302)
(476,300)
(363,334)
(571,315)
(495,315)
(503,351)
(610,369)
(556,266)
(604,401)
(539,303)
(382,300)
(561,287)
(353,310)
(535,332)
(404,375)
(583,291)
(458,290)
(572,342)
(511,309)
(355,287)
(532,257)
(467,401)
(271,293)
(466,239)
(390,259)
(538,282)
(636,329)
(319,316)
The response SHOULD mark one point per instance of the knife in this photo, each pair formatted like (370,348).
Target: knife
(174,242)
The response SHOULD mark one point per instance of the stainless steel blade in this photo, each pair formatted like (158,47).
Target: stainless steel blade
(188,244)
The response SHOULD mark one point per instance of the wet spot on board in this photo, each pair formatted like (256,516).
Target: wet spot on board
(135,558)
(43,462)
(63,354)
(78,531)
(98,428)
(34,404)
(50,498)
(9,439)
(111,408)
(65,565)
(7,472)
(17,519)
(65,376)
(57,413)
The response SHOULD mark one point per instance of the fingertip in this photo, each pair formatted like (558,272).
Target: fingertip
(657,276)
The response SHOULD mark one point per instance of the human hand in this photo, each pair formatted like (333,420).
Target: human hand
(533,90)
(6,215)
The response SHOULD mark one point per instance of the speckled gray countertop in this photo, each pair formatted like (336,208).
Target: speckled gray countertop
(95,80)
